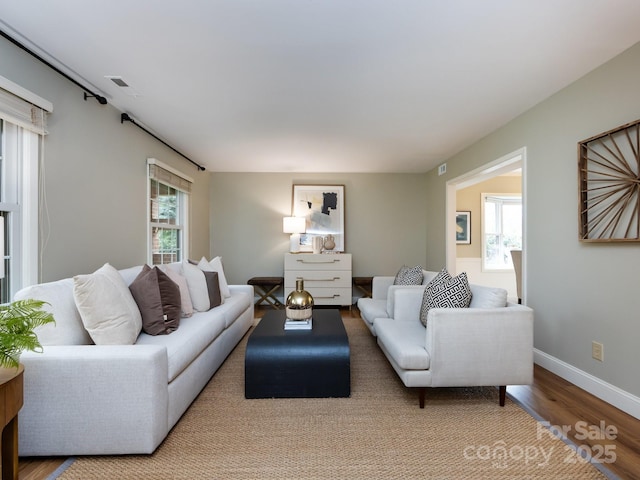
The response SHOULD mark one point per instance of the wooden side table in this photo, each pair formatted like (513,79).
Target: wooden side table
(11,390)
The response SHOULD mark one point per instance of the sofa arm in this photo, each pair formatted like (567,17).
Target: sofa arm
(379,287)
(117,393)
(476,346)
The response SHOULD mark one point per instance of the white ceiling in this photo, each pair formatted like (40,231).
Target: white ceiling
(325,85)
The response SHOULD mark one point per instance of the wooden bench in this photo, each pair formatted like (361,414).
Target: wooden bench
(364,285)
(266,287)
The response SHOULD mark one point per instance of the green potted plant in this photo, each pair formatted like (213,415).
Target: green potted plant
(17,323)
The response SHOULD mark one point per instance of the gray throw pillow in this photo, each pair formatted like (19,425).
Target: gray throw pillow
(409,276)
(213,288)
(158,299)
(445,291)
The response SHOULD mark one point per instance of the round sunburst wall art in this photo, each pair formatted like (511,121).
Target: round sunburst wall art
(609,185)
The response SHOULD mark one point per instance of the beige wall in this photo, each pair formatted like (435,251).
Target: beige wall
(580,292)
(95,181)
(385,221)
(468,199)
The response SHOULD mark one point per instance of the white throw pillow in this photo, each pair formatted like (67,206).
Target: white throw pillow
(197,284)
(207,267)
(107,308)
(216,264)
(185,297)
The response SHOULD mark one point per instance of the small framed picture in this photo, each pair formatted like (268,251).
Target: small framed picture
(463,228)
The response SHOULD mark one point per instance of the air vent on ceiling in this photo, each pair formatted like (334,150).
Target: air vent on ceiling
(118,81)
(126,88)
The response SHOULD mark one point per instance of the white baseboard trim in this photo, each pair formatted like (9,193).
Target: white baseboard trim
(617,397)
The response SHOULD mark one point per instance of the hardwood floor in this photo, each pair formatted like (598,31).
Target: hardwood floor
(593,425)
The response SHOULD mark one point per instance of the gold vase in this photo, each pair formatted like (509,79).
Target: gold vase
(299,303)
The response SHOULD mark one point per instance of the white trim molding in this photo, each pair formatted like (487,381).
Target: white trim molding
(25,94)
(611,394)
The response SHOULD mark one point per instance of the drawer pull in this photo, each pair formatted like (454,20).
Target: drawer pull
(321,279)
(333,260)
(335,295)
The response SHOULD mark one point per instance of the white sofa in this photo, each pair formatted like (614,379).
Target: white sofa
(490,343)
(121,399)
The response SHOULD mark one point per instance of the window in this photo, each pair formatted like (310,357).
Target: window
(23,124)
(19,153)
(168,214)
(502,229)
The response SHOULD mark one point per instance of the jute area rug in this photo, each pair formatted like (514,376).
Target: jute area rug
(377,433)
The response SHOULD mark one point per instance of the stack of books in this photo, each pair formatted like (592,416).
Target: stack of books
(290,324)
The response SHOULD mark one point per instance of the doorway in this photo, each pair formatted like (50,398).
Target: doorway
(513,163)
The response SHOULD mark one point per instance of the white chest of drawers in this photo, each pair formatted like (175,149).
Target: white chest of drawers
(327,277)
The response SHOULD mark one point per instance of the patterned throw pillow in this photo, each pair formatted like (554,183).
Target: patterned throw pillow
(409,276)
(445,291)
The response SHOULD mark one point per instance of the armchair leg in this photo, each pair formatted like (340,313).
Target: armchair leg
(421,392)
(503,393)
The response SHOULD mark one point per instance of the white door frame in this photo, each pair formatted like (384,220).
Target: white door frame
(504,164)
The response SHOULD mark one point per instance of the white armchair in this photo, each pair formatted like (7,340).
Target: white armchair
(460,346)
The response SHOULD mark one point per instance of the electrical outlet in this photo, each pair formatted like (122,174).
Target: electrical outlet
(442,169)
(597,351)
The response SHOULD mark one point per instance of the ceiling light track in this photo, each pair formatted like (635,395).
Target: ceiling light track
(88,93)
(126,118)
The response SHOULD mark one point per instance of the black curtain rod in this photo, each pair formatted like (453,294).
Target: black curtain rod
(101,100)
(124,117)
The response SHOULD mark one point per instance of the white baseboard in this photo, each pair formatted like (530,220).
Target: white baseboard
(617,397)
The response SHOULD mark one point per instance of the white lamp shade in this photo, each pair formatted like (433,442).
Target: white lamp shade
(293,224)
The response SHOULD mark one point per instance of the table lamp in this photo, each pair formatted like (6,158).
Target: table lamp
(295,226)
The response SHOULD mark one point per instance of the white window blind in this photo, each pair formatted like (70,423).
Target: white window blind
(22,113)
(169,177)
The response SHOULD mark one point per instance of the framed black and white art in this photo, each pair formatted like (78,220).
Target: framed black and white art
(323,208)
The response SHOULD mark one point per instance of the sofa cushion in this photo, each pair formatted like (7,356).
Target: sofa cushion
(68,329)
(185,344)
(409,276)
(107,308)
(488,297)
(445,291)
(173,271)
(130,274)
(158,299)
(371,308)
(233,307)
(405,342)
(427,276)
